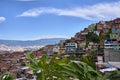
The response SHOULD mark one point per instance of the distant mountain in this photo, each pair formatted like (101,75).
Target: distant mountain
(31,42)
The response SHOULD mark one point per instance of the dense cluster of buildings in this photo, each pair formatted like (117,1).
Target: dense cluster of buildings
(15,64)
(109,39)
(107,48)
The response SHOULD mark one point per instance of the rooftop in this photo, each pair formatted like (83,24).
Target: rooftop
(115,64)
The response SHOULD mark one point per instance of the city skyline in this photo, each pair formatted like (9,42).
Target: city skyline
(37,19)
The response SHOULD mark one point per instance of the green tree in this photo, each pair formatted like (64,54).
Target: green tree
(82,71)
(92,37)
(91,27)
(107,34)
(6,76)
(89,60)
(47,70)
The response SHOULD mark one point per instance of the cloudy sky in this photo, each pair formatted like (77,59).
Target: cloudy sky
(36,19)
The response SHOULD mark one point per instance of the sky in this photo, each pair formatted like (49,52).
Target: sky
(37,19)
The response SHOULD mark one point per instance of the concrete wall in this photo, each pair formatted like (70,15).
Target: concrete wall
(111,55)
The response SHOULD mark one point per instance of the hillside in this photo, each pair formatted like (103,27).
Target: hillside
(31,42)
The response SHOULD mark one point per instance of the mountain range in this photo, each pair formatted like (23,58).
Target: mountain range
(31,42)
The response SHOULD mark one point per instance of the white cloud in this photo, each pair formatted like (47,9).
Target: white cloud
(102,11)
(49,36)
(2,19)
(26,0)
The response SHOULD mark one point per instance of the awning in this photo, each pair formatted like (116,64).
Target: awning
(24,68)
(108,69)
(115,64)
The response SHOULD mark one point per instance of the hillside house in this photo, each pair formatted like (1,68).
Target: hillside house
(71,47)
(61,43)
(116,30)
(62,51)
(110,43)
(116,23)
(117,47)
(49,49)
(108,24)
(99,26)
(111,55)
(55,49)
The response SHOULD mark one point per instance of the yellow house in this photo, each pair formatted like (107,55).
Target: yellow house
(62,51)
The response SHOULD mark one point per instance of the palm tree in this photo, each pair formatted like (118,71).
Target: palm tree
(82,71)
(89,60)
(6,76)
(47,70)
(86,70)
